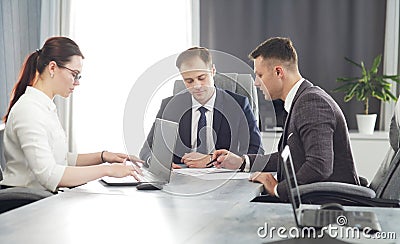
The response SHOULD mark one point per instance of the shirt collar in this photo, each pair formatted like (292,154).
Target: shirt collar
(209,105)
(41,97)
(291,94)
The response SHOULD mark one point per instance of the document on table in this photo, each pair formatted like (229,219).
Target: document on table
(213,173)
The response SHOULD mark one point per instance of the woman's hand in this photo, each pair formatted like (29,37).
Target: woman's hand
(122,170)
(119,157)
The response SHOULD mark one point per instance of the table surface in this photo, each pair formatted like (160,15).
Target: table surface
(188,210)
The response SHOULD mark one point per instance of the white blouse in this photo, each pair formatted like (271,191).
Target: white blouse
(35,145)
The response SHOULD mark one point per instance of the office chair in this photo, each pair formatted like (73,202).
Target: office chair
(384,190)
(386,181)
(242,84)
(14,197)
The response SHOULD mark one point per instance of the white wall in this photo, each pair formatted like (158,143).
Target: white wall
(369,151)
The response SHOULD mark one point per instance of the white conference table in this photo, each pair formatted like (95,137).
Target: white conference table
(96,213)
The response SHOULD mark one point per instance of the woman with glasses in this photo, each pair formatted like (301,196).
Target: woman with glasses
(35,145)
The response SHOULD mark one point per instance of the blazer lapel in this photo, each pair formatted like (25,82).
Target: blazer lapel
(185,128)
(285,135)
(306,84)
(180,108)
(217,115)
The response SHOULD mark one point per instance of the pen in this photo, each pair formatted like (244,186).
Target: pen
(210,164)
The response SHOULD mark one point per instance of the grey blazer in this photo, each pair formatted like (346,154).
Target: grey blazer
(316,132)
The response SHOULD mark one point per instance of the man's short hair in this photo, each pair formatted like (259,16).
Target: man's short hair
(200,52)
(280,48)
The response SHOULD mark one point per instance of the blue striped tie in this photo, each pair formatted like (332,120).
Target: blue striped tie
(201,133)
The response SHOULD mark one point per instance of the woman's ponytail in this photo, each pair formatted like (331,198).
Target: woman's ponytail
(26,78)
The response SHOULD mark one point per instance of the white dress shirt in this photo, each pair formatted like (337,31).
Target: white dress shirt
(292,93)
(35,145)
(209,119)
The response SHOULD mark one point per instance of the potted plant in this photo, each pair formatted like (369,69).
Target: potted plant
(363,88)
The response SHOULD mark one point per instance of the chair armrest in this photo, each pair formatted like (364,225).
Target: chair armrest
(342,193)
(337,188)
(363,181)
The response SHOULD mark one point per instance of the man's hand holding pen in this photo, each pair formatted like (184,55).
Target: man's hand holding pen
(225,159)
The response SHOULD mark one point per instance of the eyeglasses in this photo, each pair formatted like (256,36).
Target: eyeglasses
(76,74)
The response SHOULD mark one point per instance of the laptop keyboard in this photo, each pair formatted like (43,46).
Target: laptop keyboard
(325,217)
(147,177)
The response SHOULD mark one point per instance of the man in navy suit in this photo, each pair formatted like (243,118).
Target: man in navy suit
(209,118)
(315,128)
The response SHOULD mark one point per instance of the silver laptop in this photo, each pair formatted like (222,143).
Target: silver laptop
(159,171)
(319,218)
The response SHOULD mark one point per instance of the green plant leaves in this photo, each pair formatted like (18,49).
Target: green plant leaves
(351,61)
(376,63)
(369,84)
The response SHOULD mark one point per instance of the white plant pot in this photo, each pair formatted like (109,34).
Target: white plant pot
(366,123)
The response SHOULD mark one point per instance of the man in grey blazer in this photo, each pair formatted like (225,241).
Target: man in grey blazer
(315,128)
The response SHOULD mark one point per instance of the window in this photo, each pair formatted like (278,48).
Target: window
(120,40)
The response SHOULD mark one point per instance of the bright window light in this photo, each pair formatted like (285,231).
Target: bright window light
(120,40)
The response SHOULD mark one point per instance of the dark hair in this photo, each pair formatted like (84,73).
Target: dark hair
(57,49)
(280,48)
(200,52)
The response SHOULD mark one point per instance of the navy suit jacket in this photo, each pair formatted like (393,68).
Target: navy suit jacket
(235,127)
(317,135)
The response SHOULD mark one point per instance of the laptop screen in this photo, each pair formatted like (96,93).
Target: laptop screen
(164,139)
(292,186)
